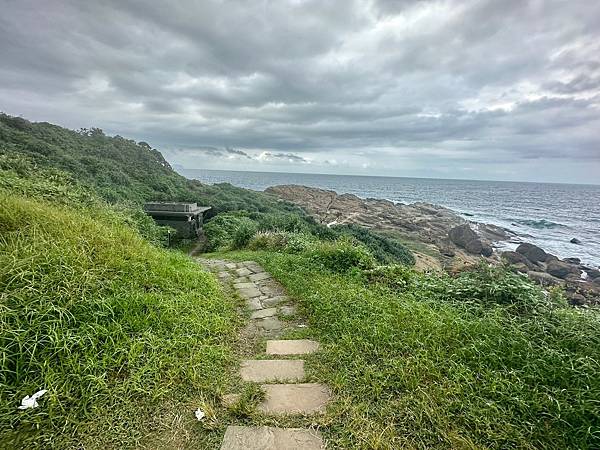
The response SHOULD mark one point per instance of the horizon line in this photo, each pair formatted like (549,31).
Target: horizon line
(388,176)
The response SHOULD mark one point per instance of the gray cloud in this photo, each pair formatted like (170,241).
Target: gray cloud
(385,87)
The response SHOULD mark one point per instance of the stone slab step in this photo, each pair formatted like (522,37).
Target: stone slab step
(304,398)
(259,276)
(261,314)
(249,292)
(261,371)
(292,347)
(270,438)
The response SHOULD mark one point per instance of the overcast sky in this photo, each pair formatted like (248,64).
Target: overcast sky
(478,89)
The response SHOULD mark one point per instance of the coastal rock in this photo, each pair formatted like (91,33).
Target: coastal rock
(532,252)
(575,298)
(575,241)
(419,222)
(575,261)
(520,267)
(515,258)
(462,235)
(593,273)
(487,250)
(466,238)
(543,278)
(560,269)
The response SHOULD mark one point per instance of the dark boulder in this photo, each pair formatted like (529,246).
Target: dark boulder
(575,241)
(561,269)
(575,261)
(532,252)
(515,258)
(543,278)
(520,267)
(464,237)
(593,273)
(461,235)
(475,247)
(575,298)
(487,250)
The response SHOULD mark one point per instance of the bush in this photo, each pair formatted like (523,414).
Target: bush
(397,277)
(341,255)
(292,223)
(268,240)
(386,250)
(299,242)
(242,234)
(281,241)
(223,229)
(494,286)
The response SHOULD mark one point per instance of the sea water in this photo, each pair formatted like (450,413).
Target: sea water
(545,214)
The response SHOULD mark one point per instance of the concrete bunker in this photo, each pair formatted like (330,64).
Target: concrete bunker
(185,218)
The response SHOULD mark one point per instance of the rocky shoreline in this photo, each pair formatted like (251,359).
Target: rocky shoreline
(443,240)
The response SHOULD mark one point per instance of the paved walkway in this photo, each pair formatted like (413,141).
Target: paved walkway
(281,379)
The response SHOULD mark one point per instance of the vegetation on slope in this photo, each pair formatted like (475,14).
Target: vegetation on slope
(114,328)
(120,169)
(481,360)
(127,173)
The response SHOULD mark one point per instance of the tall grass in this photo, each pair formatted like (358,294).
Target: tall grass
(112,326)
(484,360)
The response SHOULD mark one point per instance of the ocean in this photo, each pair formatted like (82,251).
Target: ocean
(545,214)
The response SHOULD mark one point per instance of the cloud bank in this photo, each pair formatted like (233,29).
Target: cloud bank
(461,89)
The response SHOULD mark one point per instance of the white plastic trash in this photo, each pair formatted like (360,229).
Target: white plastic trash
(31,402)
(199,414)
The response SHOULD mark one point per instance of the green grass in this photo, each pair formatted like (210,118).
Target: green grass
(479,361)
(121,333)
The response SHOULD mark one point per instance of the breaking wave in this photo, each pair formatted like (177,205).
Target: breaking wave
(539,224)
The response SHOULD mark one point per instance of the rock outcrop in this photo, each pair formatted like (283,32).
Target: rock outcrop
(443,240)
(532,252)
(422,223)
(548,270)
(465,237)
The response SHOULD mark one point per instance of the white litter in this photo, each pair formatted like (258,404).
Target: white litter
(31,402)
(199,414)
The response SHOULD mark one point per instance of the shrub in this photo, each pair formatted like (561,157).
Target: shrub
(222,229)
(268,240)
(281,241)
(386,250)
(341,255)
(397,277)
(292,223)
(488,286)
(299,242)
(243,233)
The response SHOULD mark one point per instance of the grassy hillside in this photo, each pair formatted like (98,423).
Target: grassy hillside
(129,338)
(118,331)
(120,169)
(483,360)
(127,173)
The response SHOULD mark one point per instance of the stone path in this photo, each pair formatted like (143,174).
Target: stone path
(281,379)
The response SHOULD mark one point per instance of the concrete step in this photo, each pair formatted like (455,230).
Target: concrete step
(304,398)
(262,313)
(261,371)
(270,438)
(291,347)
